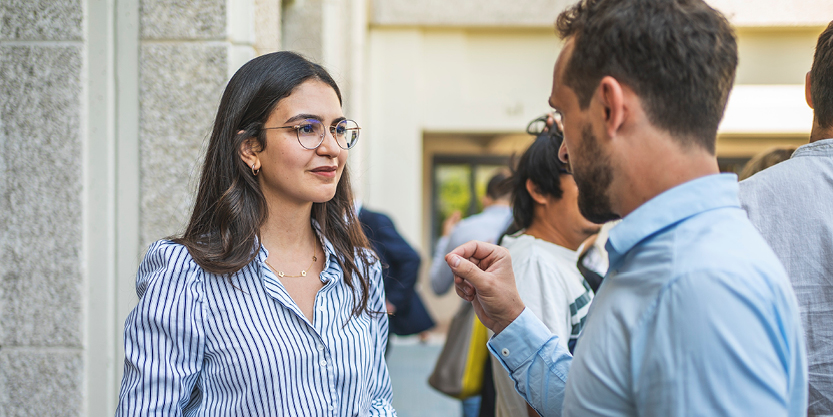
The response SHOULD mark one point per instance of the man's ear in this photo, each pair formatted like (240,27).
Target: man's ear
(612,97)
(808,94)
(535,192)
(249,150)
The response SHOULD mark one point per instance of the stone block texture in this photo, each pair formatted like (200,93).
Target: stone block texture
(302,28)
(41,19)
(181,85)
(36,384)
(40,196)
(183,19)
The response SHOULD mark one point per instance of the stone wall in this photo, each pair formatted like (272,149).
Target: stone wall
(41,177)
(183,68)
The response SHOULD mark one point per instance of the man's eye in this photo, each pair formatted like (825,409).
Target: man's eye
(306,129)
(340,130)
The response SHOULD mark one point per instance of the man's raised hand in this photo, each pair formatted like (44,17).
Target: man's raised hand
(483,275)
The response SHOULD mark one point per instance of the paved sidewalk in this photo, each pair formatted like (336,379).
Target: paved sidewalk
(410,363)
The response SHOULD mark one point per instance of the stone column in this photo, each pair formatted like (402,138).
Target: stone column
(41,207)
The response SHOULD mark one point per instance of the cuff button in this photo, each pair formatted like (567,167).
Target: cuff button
(504,352)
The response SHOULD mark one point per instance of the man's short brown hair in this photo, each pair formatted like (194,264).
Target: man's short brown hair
(679,56)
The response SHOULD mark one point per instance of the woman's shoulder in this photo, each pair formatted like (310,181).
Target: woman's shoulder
(166,262)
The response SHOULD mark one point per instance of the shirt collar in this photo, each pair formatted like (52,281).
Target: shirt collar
(670,207)
(822,147)
(331,267)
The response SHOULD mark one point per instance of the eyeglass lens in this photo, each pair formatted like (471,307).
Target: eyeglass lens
(311,133)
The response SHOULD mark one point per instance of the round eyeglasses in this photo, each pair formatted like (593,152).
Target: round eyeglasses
(311,132)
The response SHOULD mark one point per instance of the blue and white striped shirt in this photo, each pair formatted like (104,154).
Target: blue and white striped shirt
(198,344)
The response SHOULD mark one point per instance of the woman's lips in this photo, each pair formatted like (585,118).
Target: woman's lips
(329,172)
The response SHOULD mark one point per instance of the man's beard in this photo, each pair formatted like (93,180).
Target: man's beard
(593,176)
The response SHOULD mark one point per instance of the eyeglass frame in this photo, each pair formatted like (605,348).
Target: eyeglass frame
(321,139)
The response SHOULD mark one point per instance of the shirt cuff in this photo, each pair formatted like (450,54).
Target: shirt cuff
(519,341)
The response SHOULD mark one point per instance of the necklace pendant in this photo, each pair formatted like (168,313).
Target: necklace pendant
(280,274)
(303,273)
(314,258)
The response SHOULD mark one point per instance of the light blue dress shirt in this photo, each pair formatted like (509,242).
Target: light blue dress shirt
(791,204)
(696,317)
(199,344)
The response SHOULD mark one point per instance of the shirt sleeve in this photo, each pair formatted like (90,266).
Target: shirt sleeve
(535,360)
(163,336)
(441,275)
(693,354)
(380,389)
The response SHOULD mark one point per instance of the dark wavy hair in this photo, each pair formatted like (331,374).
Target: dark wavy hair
(679,56)
(224,231)
(539,163)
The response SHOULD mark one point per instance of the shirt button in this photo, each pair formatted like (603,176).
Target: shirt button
(320,348)
(504,352)
(323,363)
(322,308)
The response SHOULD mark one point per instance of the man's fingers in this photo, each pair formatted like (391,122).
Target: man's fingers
(464,289)
(472,249)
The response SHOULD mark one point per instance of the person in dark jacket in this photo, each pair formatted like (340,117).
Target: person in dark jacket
(400,269)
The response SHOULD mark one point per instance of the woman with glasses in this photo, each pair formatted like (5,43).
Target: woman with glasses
(271,302)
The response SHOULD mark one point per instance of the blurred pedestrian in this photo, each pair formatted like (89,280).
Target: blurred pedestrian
(400,269)
(765,160)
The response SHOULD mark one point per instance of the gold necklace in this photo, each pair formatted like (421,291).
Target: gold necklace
(303,271)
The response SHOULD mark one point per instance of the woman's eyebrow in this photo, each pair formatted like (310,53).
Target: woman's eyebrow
(303,116)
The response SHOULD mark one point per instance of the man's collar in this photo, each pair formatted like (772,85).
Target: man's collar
(822,147)
(670,207)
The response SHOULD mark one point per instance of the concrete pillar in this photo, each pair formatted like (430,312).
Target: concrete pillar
(42,126)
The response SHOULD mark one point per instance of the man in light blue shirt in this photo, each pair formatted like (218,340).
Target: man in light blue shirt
(790,204)
(696,316)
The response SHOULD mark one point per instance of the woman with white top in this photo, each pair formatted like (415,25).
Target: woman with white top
(271,302)
(543,240)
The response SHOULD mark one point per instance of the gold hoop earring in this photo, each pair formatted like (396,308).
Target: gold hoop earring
(255,171)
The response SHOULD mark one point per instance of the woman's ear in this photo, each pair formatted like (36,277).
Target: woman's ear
(535,192)
(249,149)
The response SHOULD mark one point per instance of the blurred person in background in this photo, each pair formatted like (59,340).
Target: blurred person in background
(400,269)
(791,204)
(544,238)
(765,160)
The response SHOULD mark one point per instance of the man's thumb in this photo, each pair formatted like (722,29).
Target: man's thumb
(462,267)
